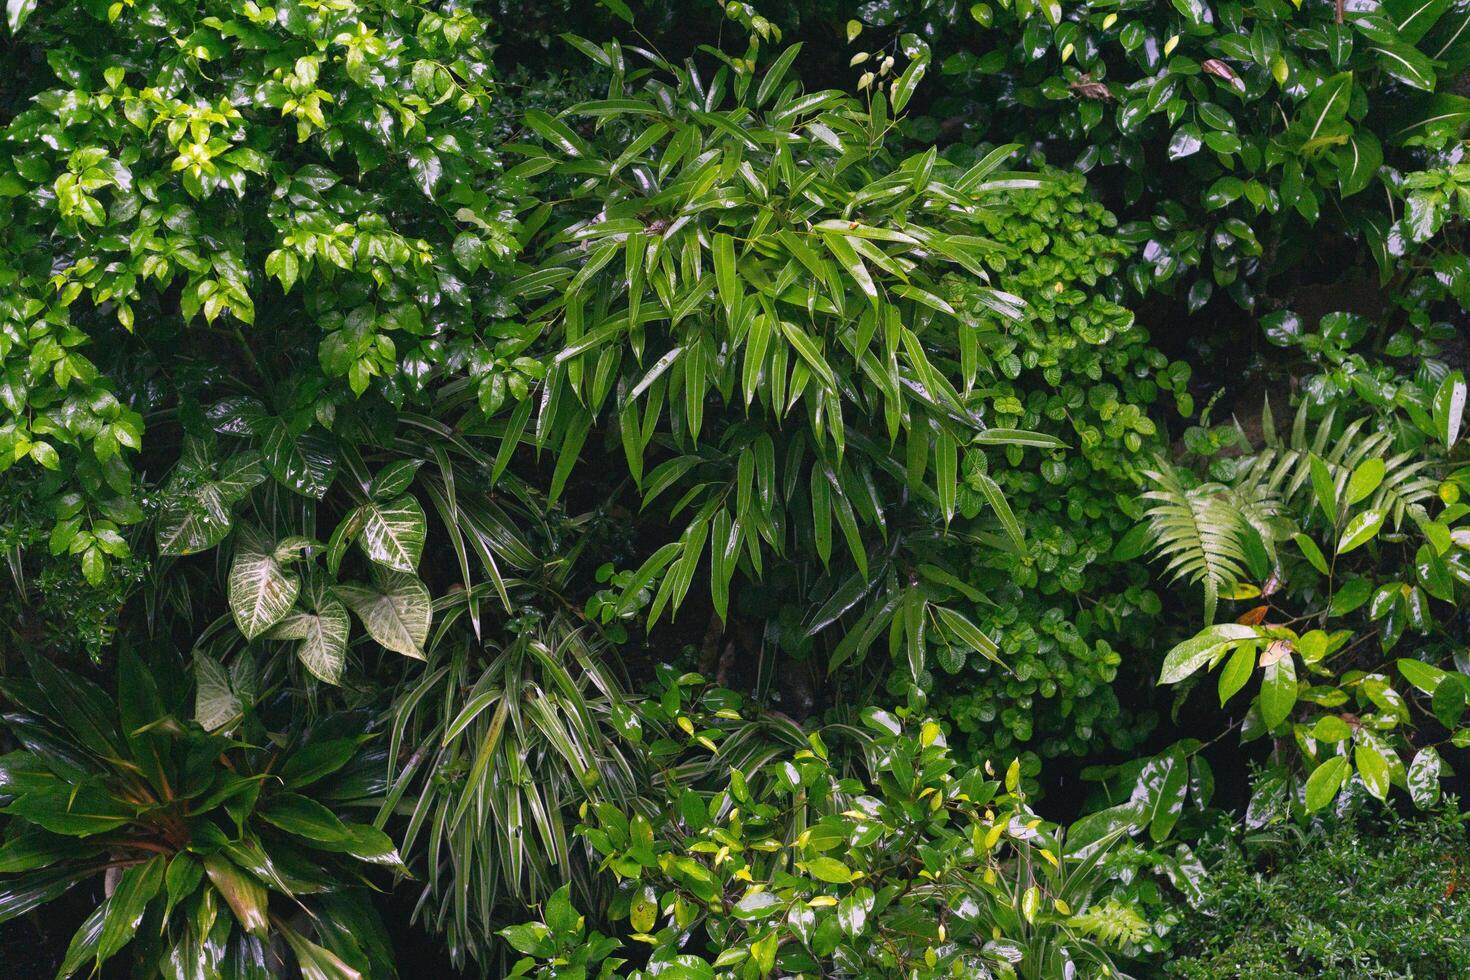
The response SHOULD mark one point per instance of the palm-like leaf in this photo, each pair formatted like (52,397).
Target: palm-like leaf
(1282,467)
(1200,531)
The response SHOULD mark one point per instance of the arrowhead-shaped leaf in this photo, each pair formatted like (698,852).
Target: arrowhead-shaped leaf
(393,533)
(323,635)
(215,702)
(196,515)
(262,591)
(306,463)
(397,612)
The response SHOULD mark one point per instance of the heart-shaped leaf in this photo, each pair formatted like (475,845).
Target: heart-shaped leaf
(396,613)
(393,533)
(261,590)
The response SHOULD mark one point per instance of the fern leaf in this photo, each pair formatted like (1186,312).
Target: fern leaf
(1112,923)
(1198,532)
(1283,469)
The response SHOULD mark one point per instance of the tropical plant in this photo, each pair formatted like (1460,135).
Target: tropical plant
(1219,534)
(151,195)
(746,290)
(919,869)
(1237,141)
(1081,368)
(1276,905)
(222,842)
(489,751)
(1321,604)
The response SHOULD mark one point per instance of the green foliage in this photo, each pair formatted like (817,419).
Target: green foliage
(1357,560)
(728,370)
(916,868)
(152,190)
(196,826)
(1354,898)
(1079,368)
(1235,138)
(500,749)
(746,290)
(1207,533)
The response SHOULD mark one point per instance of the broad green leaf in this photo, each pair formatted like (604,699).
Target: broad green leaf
(1423,777)
(1238,670)
(1325,781)
(127,903)
(557,133)
(1331,728)
(304,817)
(1358,162)
(16,12)
(393,533)
(853,911)
(1168,790)
(84,944)
(396,612)
(394,479)
(306,463)
(216,705)
(1187,657)
(1366,478)
(323,634)
(1449,408)
(757,905)
(242,892)
(1325,105)
(1373,767)
(315,962)
(1425,677)
(1278,691)
(83,809)
(196,514)
(829,869)
(261,590)
(1360,530)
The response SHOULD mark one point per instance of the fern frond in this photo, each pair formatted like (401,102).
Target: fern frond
(1112,922)
(1198,531)
(1282,468)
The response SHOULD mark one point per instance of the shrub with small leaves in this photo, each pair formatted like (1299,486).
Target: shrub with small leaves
(1081,369)
(767,859)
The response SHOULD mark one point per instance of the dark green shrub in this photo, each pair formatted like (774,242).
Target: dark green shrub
(211,838)
(1362,899)
(1237,140)
(1080,368)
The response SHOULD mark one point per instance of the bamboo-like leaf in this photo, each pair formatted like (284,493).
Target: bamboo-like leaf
(969,634)
(809,352)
